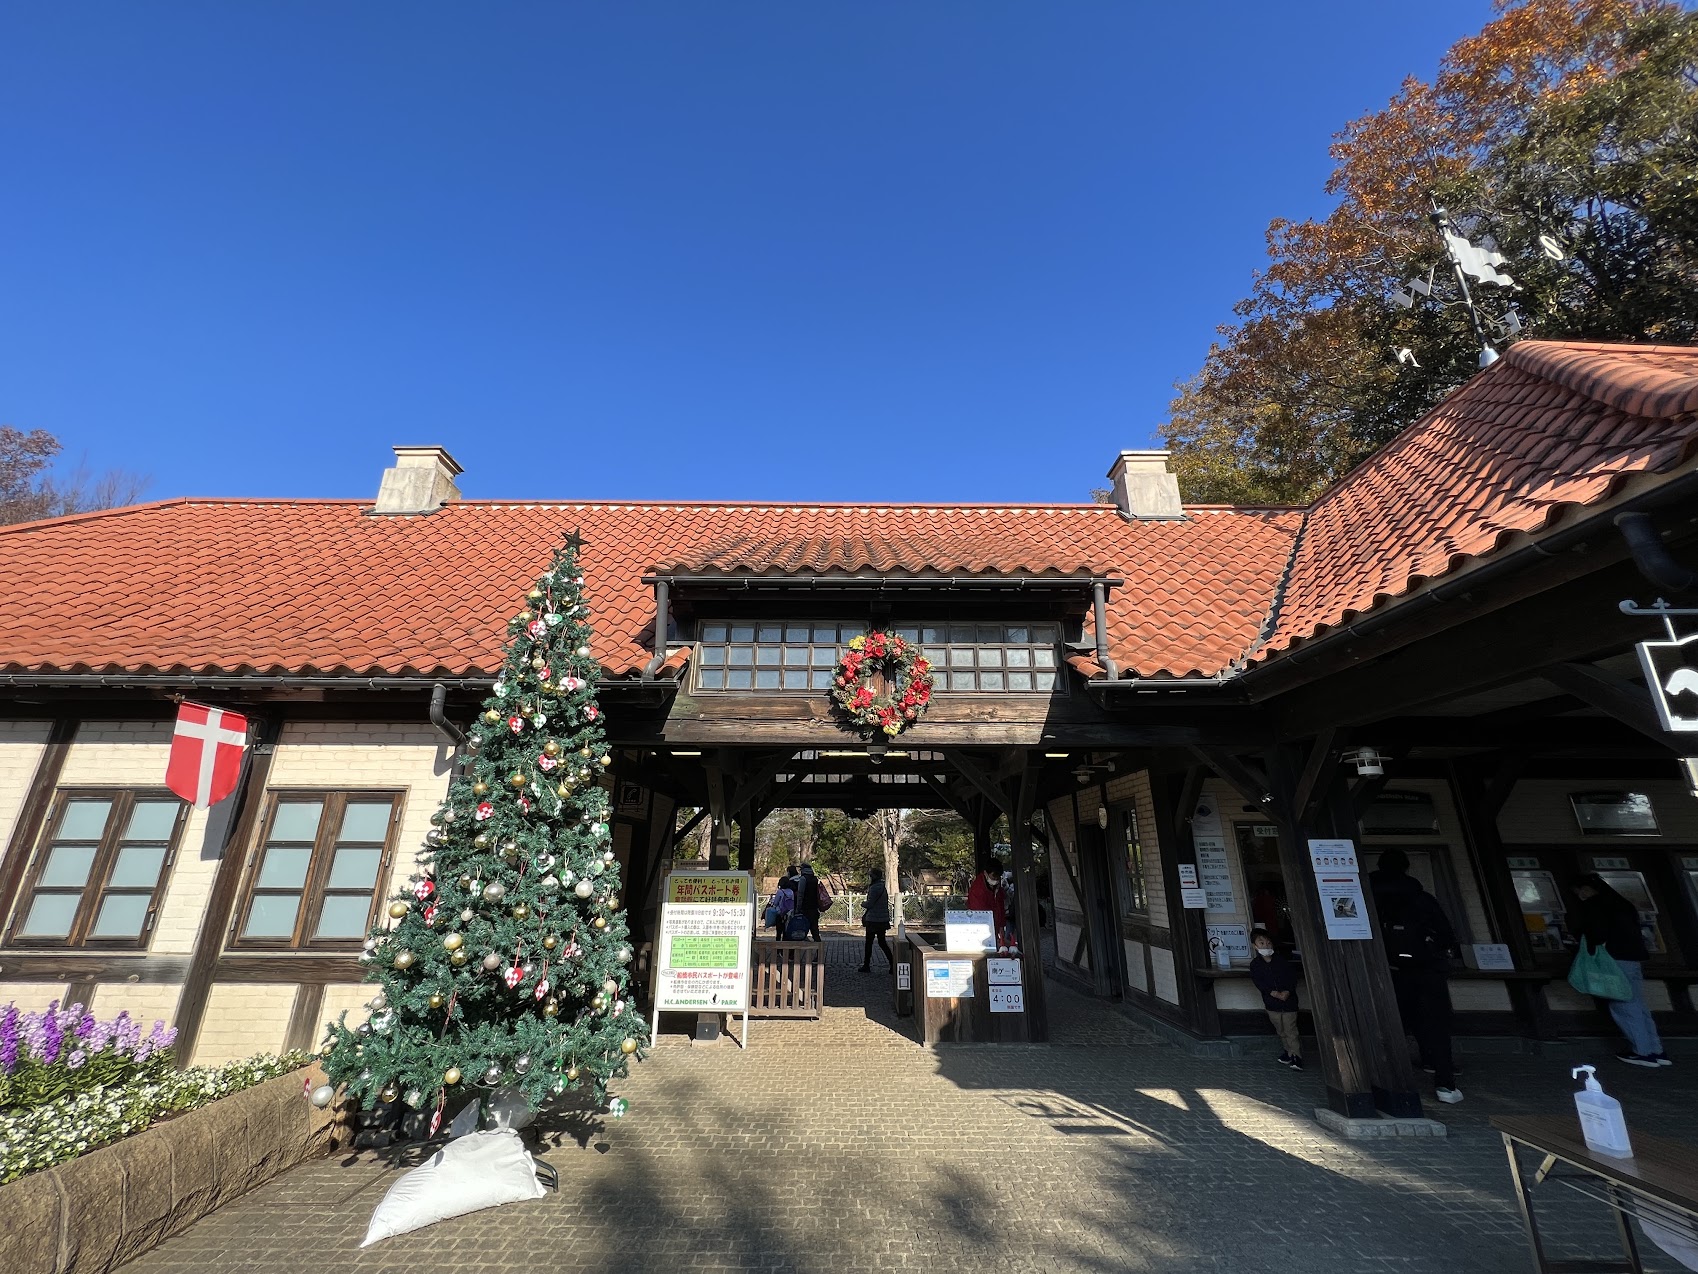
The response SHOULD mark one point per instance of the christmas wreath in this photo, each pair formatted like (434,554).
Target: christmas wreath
(882,683)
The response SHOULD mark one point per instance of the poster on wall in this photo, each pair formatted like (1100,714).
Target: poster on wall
(969,931)
(949,979)
(706,920)
(1007,999)
(1232,941)
(1343,907)
(1216,875)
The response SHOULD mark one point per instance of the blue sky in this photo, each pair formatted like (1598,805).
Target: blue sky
(816,251)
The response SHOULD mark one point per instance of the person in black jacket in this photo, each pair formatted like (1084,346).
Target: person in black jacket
(1419,942)
(875,919)
(1275,977)
(1605,919)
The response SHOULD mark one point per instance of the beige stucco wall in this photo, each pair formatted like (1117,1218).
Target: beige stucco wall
(31,997)
(243,1019)
(146,1002)
(21,746)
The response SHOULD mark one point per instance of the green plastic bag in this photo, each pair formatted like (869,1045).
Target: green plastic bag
(1597,973)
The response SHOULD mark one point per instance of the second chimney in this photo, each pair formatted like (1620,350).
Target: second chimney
(1143,488)
(422,481)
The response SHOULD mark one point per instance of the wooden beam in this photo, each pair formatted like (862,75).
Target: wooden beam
(1175,800)
(747,826)
(25,832)
(248,800)
(1243,780)
(969,770)
(753,785)
(1320,756)
(719,831)
(303,1028)
(960,804)
(1026,903)
(1622,700)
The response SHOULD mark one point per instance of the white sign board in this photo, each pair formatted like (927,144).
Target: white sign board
(1187,876)
(904,977)
(1343,907)
(1234,941)
(1487,955)
(969,931)
(1216,874)
(1194,899)
(706,920)
(1332,856)
(1007,999)
(949,979)
(1671,673)
(1002,971)
(1205,819)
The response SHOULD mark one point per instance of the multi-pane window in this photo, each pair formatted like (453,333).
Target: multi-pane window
(1137,885)
(99,875)
(801,655)
(316,875)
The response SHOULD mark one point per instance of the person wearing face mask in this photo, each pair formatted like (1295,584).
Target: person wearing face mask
(1276,978)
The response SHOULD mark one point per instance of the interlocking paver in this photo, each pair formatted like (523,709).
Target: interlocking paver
(843,1146)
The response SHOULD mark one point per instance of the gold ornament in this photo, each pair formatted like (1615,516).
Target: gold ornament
(609,987)
(551,748)
(480,788)
(510,850)
(453,942)
(564,789)
(551,1007)
(436,1000)
(606,761)
(458,958)
(572,1072)
(527,615)
(584,752)
(403,959)
(517,779)
(600,923)
(521,911)
(535,595)
(451,1075)
(627,1046)
(397,910)
(481,841)
(613,903)
(389,1093)
(550,942)
(492,717)
(465,882)
(328,1047)
(538,663)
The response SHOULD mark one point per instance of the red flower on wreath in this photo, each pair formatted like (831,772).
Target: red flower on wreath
(897,697)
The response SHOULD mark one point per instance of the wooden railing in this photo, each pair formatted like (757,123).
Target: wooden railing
(786,979)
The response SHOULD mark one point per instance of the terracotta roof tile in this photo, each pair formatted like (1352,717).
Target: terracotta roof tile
(1550,427)
(323,586)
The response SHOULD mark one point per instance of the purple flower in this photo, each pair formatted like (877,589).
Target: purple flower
(52,1034)
(9,1039)
(76,1059)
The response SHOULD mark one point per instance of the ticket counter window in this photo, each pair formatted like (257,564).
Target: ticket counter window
(1543,910)
(1631,886)
(1258,853)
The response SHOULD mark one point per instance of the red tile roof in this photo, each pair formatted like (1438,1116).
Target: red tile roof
(292,586)
(1549,428)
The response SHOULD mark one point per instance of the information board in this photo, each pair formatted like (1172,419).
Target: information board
(1007,999)
(1216,874)
(969,931)
(1002,971)
(949,979)
(706,919)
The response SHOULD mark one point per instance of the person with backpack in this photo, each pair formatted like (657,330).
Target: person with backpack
(875,919)
(811,899)
(1419,941)
(782,904)
(1610,922)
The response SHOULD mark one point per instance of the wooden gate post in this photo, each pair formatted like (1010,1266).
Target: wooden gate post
(1026,902)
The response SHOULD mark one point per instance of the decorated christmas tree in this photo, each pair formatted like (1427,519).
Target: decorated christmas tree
(505,963)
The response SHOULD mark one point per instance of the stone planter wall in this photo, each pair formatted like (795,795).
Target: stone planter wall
(113,1204)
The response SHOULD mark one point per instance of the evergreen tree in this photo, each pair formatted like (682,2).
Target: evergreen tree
(505,962)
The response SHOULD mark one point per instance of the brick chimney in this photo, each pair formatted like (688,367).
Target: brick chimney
(1143,488)
(422,481)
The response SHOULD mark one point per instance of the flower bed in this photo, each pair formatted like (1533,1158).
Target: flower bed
(64,1051)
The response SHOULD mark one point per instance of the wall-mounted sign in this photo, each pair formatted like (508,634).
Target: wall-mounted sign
(1215,874)
(1333,856)
(1487,955)
(1614,814)
(1515,863)
(1187,876)
(1611,863)
(1007,999)
(949,979)
(1002,971)
(1264,831)
(1196,899)
(1343,907)
(969,931)
(1233,941)
(904,976)
(1671,672)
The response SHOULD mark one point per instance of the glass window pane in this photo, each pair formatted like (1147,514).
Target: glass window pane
(742,656)
(121,916)
(296,820)
(67,865)
(822,679)
(990,681)
(1019,681)
(960,658)
(962,634)
(272,916)
(713,678)
(795,679)
(152,820)
(84,820)
(344,916)
(1019,659)
(50,916)
(1043,634)
(366,821)
(909,633)
(1046,681)
(933,634)
(990,634)
(713,632)
(742,632)
(1043,657)
(767,656)
(713,656)
(935,655)
(990,658)
(796,656)
(825,657)
(738,679)
(766,679)
(825,634)
(137,867)
(960,681)
(1018,633)
(771,633)
(354,869)
(285,867)
(797,635)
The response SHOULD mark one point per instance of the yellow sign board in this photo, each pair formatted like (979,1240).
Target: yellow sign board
(703,889)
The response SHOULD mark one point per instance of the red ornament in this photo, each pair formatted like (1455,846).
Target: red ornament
(536,628)
(424,889)
(515,724)
(525,804)
(513,977)
(592,712)
(484,810)
(430,914)
(547,762)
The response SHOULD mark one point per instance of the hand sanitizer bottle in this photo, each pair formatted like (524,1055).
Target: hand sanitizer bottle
(1600,1118)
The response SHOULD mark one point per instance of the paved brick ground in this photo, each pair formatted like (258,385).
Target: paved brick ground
(842,1146)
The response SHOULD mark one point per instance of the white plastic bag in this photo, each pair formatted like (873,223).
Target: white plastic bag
(477,1171)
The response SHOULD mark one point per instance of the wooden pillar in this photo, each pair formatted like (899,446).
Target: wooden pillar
(719,827)
(983,822)
(748,822)
(1175,799)
(1363,1052)
(248,799)
(1026,902)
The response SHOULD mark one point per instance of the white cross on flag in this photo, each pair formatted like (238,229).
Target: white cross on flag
(206,754)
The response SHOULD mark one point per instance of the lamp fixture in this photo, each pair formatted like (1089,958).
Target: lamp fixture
(686,753)
(1368,762)
(1102,817)
(1056,756)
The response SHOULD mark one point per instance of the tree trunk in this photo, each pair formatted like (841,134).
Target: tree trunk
(890,832)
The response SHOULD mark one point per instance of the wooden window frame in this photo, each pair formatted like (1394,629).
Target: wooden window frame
(95,889)
(314,887)
(1137,904)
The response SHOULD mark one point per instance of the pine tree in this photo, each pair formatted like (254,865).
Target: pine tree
(505,962)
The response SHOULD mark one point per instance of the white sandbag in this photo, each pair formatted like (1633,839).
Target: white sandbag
(477,1171)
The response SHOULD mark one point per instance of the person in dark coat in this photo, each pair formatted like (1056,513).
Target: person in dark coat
(808,900)
(1605,919)
(1419,941)
(1275,976)
(875,919)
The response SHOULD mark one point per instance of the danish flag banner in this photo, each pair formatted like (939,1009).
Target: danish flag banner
(206,754)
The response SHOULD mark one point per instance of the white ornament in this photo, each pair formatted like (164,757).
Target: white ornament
(583,889)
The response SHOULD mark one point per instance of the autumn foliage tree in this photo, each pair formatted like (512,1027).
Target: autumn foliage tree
(30,490)
(1573,119)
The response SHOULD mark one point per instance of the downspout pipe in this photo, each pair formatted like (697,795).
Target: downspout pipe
(438,718)
(1099,610)
(662,602)
(1652,556)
